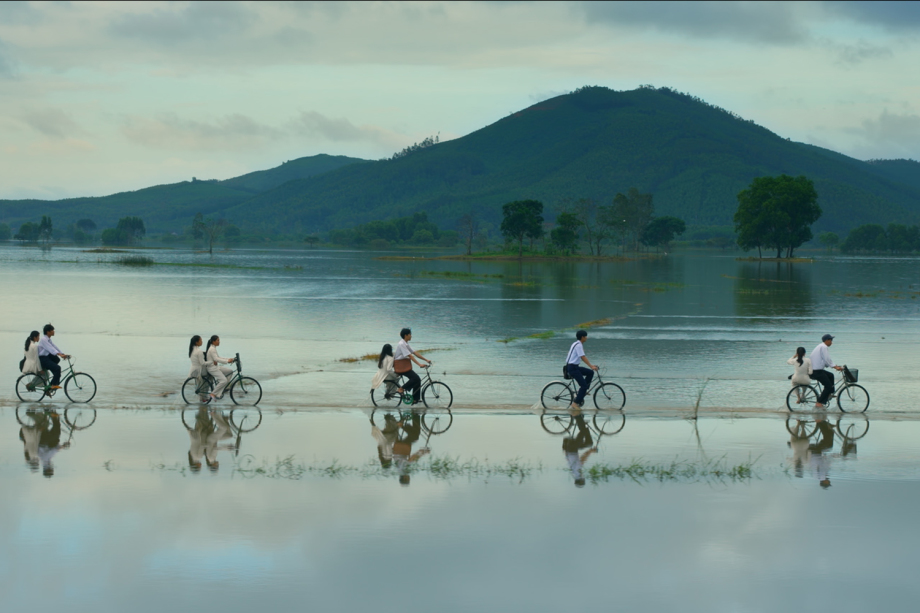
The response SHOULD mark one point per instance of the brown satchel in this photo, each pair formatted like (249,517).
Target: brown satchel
(402,365)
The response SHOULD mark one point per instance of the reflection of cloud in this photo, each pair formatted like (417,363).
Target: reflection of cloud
(53,123)
(169,131)
(746,21)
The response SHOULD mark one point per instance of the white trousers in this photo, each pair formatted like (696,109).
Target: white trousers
(220,374)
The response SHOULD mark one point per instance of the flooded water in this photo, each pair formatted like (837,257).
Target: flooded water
(314,499)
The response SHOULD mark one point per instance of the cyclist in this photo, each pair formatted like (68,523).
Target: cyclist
(196,357)
(220,373)
(821,359)
(573,368)
(385,372)
(50,356)
(402,364)
(30,361)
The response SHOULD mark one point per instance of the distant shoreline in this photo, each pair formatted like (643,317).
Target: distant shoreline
(514,258)
(802,260)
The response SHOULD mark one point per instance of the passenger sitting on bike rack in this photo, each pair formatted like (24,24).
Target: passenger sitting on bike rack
(220,373)
(803,369)
(385,372)
(50,356)
(573,370)
(571,446)
(30,362)
(402,364)
(821,359)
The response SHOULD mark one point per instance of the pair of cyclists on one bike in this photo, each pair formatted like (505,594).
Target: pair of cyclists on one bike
(209,362)
(42,354)
(392,364)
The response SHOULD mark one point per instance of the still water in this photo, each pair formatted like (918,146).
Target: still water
(315,500)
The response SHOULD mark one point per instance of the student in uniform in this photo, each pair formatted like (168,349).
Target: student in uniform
(402,358)
(579,373)
(213,362)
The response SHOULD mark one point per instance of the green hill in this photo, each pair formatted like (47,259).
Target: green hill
(301,168)
(593,143)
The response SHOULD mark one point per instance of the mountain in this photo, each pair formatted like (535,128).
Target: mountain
(694,157)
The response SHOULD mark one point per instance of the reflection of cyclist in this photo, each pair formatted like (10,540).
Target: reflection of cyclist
(50,356)
(385,438)
(821,359)
(403,358)
(402,448)
(572,445)
(819,462)
(581,375)
(220,373)
(49,444)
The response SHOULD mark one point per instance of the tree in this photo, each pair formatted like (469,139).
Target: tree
(467,226)
(661,231)
(590,217)
(777,213)
(209,228)
(829,240)
(130,230)
(5,232)
(45,229)
(632,212)
(868,237)
(87,226)
(28,233)
(311,239)
(522,218)
(565,234)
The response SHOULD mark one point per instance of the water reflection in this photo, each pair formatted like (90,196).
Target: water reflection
(578,442)
(40,432)
(396,432)
(812,440)
(209,428)
(773,288)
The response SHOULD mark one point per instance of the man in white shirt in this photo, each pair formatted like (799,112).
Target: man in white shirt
(821,359)
(574,369)
(50,356)
(404,352)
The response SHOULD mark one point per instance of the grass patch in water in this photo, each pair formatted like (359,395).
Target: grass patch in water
(134,260)
(639,471)
(551,333)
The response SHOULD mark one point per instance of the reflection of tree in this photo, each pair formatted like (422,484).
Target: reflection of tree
(773,288)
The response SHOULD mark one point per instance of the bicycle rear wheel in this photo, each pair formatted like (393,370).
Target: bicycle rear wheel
(610,423)
(609,396)
(556,424)
(79,418)
(801,428)
(556,396)
(30,387)
(801,397)
(192,391)
(382,399)
(853,427)
(246,420)
(437,396)
(853,399)
(80,387)
(29,417)
(437,421)
(246,391)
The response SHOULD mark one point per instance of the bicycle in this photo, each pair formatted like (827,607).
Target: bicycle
(78,386)
(850,428)
(604,423)
(76,418)
(434,394)
(437,421)
(851,398)
(241,421)
(558,395)
(244,391)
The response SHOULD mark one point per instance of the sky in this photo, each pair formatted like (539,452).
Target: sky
(98,97)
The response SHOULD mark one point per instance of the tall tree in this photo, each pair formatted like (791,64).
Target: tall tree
(565,234)
(520,219)
(661,231)
(467,226)
(130,230)
(209,228)
(592,221)
(777,213)
(633,210)
(45,229)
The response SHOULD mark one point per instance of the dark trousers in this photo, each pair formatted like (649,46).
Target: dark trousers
(583,377)
(50,362)
(827,380)
(413,383)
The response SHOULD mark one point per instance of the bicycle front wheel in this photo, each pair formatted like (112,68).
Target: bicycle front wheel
(30,387)
(853,428)
(437,421)
(192,392)
(80,387)
(610,423)
(79,418)
(801,428)
(801,397)
(246,391)
(556,396)
(556,424)
(853,399)
(609,396)
(437,396)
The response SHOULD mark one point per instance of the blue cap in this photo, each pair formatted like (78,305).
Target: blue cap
(827,337)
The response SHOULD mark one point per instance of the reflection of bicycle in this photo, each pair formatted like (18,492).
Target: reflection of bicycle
(243,390)
(605,423)
(34,387)
(435,394)
(241,421)
(851,428)
(75,418)
(560,394)
(851,398)
(434,421)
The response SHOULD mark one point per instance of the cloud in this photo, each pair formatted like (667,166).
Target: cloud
(18,12)
(895,16)
(754,22)
(860,52)
(7,64)
(197,21)
(891,135)
(311,123)
(53,123)
(169,131)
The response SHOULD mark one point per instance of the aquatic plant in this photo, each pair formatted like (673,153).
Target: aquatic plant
(134,260)
(639,471)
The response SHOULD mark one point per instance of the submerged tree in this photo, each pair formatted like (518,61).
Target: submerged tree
(565,234)
(208,228)
(467,226)
(661,231)
(130,230)
(776,213)
(632,212)
(520,219)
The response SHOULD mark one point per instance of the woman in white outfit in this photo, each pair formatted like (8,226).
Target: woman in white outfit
(32,363)
(196,357)
(802,365)
(385,372)
(213,362)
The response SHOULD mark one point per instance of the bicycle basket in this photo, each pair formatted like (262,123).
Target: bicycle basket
(851,374)
(565,372)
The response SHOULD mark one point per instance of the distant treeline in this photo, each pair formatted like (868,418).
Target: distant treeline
(873,238)
(413,230)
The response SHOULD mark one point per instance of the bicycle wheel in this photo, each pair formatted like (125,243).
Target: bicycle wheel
(556,395)
(610,423)
(437,421)
(246,391)
(853,427)
(192,391)
(801,428)
(30,387)
(80,387)
(556,424)
(246,420)
(28,417)
(801,397)
(437,396)
(609,396)
(382,399)
(853,399)
(79,418)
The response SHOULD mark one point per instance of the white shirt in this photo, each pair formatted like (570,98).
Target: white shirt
(385,371)
(213,357)
(576,353)
(821,358)
(800,377)
(47,347)
(197,360)
(32,363)
(403,350)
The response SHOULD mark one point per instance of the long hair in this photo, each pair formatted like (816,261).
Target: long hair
(386,351)
(191,344)
(29,341)
(799,353)
(208,347)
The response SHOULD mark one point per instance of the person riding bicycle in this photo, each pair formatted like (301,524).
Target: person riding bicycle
(581,375)
(820,360)
(402,364)
(220,373)
(385,372)
(196,357)
(50,356)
